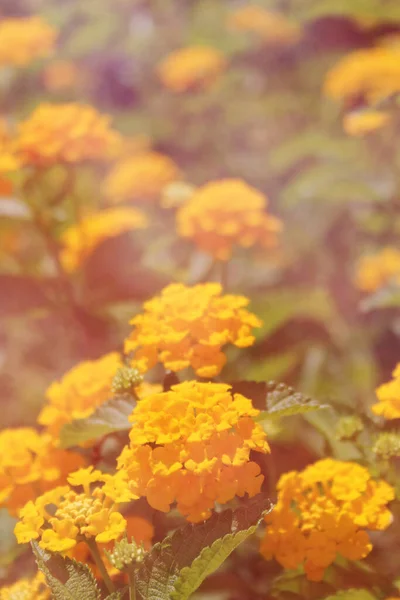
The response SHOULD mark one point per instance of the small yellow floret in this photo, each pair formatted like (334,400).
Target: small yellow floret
(361,122)
(389,397)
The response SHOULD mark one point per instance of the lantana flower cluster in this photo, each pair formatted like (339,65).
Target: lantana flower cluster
(191,68)
(23,40)
(377,270)
(224,214)
(188,327)
(191,445)
(389,397)
(323,512)
(271,27)
(33,588)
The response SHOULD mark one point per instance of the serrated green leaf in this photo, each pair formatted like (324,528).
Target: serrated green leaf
(67,578)
(283,401)
(352,594)
(118,595)
(166,571)
(110,417)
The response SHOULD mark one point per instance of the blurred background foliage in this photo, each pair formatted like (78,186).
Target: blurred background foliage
(265,120)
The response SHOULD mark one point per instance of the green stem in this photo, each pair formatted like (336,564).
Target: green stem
(132,585)
(100,564)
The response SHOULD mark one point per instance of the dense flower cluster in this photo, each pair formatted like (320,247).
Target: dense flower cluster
(140,178)
(324,511)
(26,589)
(80,240)
(194,67)
(25,39)
(29,464)
(373,73)
(192,446)
(227,213)
(377,270)
(89,514)
(188,327)
(65,133)
(389,397)
(272,28)
(361,122)
(80,391)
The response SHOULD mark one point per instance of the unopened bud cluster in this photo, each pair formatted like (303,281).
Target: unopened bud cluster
(125,379)
(387,445)
(125,553)
(348,427)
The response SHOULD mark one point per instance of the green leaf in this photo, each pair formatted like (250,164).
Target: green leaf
(67,578)
(283,401)
(176,566)
(108,418)
(118,595)
(352,594)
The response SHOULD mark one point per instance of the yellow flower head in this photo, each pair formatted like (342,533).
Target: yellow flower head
(25,39)
(82,389)
(140,178)
(389,397)
(188,327)
(324,511)
(194,67)
(26,589)
(192,446)
(377,270)
(361,122)
(373,73)
(63,517)
(227,213)
(80,240)
(30,464)
(66,133)
(274,29)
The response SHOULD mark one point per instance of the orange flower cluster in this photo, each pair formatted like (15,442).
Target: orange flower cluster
(192,446)
(378,270)
(194,67)
(274,29)
(324,511)
(389,397)
(25,39)
(188,327)
(81,390)
(30,464)
(65,133)
(227,213)
(80,240)
(140,178)
(26,589)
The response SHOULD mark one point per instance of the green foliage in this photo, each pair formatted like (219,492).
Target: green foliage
(352,594)
(283,401)
(110,417)
(176,566)
(67,578)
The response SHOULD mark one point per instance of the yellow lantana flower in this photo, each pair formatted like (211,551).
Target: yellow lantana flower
(34,588)
(274,29)
(23,40)
(227,213)
(80,240)
(361,122)
(188,327)
(78,516)
(389,397)
(140,178)
(194,67)
(375,271)
(67,134)
(30,464)
(80,391)
(192,446)
(324,511)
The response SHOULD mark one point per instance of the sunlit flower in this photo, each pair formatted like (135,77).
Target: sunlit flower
(140,178)
(23,40)
(77,515)
(59,75)
(227,213)
(375,271)
(66,133)
(80,391)
(372,73)
(389,397)
(29,465)
(8,159)
(194,67)
(271,27)
(323,512)
(188,327)
(81,239)
(361,122)
(26,589)
(192,446)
